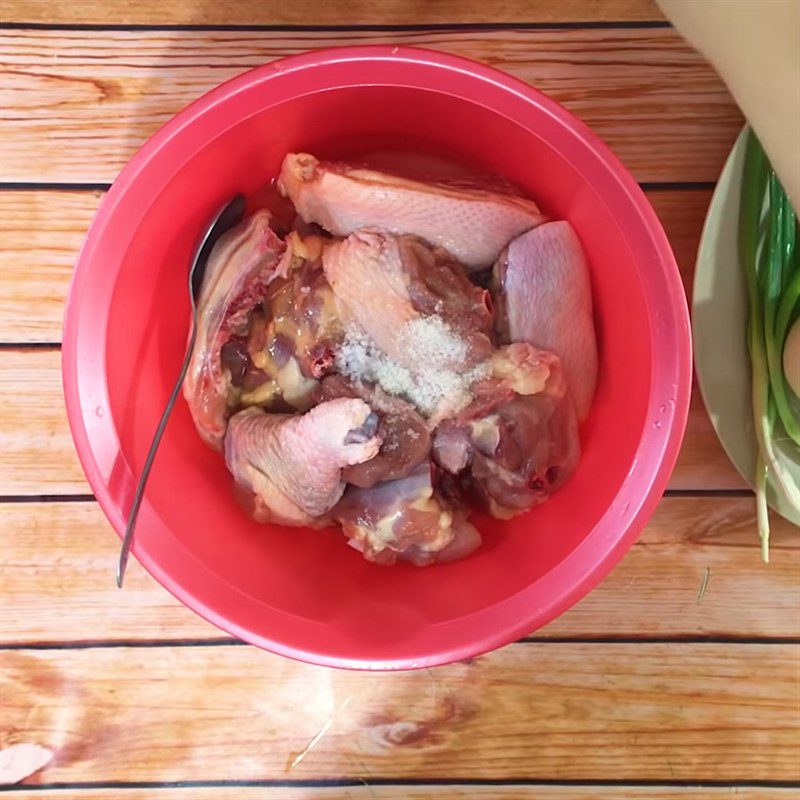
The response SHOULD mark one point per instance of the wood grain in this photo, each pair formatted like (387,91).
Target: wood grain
(43,229)
(547,711)
(39,240)
(682,213)
(75,106)
(702,462)
(57,562)
(78,103)
(431,792)
(41,233)
(313,12)
(38,454)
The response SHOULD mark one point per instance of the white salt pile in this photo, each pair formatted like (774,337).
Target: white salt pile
(438,378)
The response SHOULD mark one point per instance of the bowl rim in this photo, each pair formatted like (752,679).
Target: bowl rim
(614,532)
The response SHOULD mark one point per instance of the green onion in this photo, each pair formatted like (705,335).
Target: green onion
(771,259)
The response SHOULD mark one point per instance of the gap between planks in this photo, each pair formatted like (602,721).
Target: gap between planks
(79,186)
(90,498)
(222,642)
(415,783)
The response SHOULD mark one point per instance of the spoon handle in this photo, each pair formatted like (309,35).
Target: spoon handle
(137,498)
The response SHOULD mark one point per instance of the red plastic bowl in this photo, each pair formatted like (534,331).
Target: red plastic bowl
(306,594)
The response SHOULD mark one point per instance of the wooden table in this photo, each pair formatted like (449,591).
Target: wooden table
(677,677)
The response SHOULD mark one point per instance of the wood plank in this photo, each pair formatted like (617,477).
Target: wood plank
(702,462)
(429,792)
(41,233)
(43,229)
(682,213)
(315,12)
(78,103)
(39,456)
(39,240)
(38,453)
(530,711)
(58,560)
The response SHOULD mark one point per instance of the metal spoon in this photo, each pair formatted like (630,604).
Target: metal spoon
(227,217)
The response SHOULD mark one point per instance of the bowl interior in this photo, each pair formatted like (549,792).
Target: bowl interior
(307,589)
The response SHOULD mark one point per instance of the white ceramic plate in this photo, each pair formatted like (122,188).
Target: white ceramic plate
(719,321)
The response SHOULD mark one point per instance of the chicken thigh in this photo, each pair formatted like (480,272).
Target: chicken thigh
(518,441)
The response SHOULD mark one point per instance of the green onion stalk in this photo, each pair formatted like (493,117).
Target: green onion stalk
(768,234)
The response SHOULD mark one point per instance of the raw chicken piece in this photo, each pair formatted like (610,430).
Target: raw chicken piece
(523,369)
(405,440)
(368,278)
(546,299)
(536,451)
(518,442)
(291,341)
(402,294)
(293,464)
(474,225)
(241,266)
(405,520)
(439,286)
